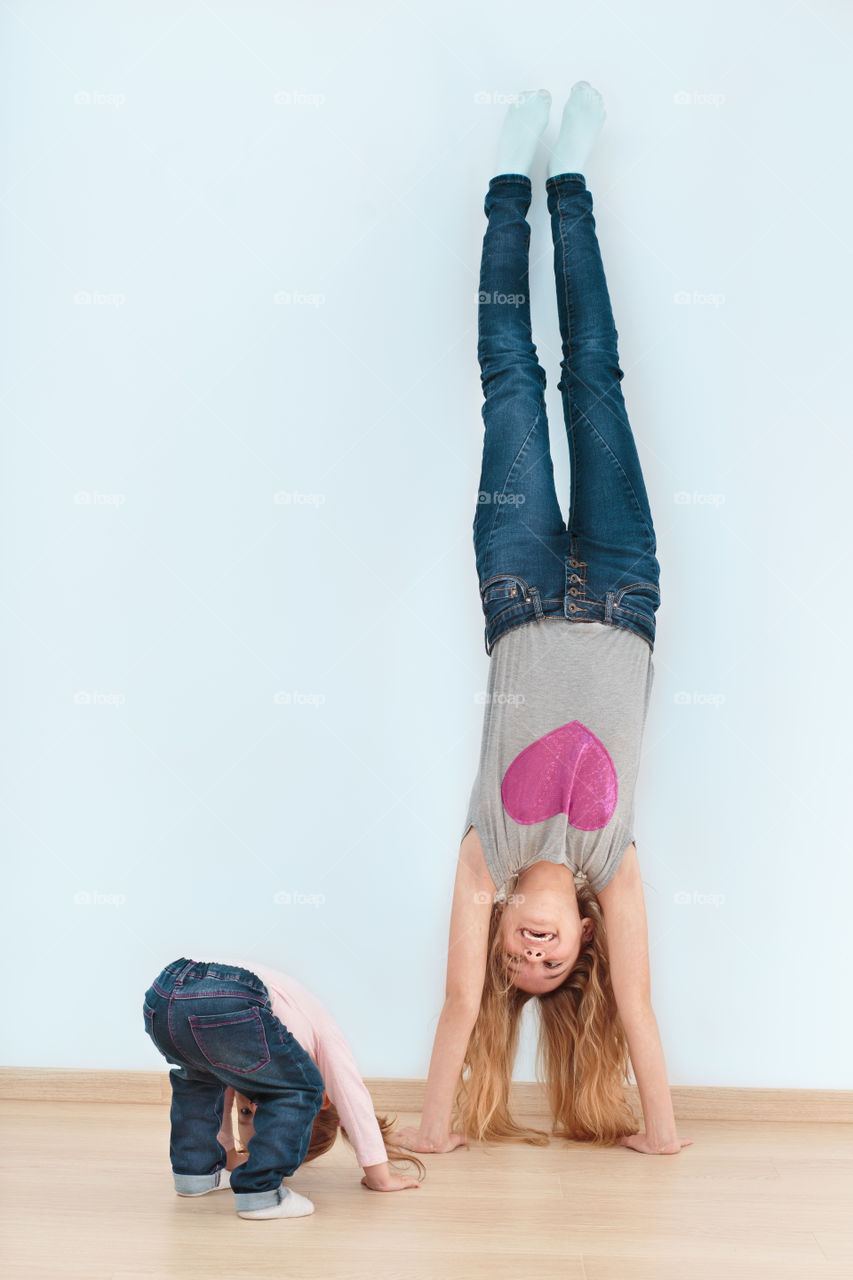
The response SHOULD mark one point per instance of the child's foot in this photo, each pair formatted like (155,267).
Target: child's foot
(291,1205)
(523,127)
(583,116)
(224,1181)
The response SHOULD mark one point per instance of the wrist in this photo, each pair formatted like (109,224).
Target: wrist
(662,1134)
(434,1137)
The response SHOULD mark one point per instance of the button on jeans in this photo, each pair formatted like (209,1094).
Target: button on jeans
(215,1022)
(600,566)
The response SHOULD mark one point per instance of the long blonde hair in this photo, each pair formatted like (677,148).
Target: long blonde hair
(582,1052)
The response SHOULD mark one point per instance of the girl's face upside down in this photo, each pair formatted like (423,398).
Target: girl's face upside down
(542,929)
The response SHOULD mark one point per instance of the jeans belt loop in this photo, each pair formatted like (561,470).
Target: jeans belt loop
(537,604)
(608,608)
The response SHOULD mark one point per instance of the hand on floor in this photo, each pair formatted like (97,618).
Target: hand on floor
(639,1142)
(388,1182)
(410,1138)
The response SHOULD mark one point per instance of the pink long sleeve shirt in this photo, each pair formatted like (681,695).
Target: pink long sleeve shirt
(322,1039)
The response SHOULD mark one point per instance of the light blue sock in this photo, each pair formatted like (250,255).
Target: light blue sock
(523,127)
(583,116)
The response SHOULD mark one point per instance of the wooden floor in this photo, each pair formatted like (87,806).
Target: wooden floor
(87,1192)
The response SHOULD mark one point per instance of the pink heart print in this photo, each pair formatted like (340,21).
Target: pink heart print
(567,771)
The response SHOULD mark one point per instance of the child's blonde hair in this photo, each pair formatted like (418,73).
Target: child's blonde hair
(327,1125)
(582,1051)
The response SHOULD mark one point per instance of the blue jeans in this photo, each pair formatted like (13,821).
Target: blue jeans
(601,566)
(216,1023)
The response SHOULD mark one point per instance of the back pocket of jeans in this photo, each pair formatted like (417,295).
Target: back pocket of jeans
(236,1041)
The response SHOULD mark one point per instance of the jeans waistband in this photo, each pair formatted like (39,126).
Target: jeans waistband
(524,614)
(178,972)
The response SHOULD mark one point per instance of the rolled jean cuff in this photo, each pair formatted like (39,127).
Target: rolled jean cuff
(196,1184)
(559,180)
(259,1199)
(517,184)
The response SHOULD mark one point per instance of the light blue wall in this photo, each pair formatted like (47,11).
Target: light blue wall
(214,697)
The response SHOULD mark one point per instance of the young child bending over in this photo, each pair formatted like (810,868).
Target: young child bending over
(225,1024)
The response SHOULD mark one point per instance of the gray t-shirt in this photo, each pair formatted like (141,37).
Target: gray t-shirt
(564,717)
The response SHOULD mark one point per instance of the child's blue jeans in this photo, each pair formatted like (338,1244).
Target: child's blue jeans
(601,567)
(216,1023)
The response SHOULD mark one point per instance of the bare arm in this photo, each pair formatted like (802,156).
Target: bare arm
(445,1067)
(627,939)
(473,895)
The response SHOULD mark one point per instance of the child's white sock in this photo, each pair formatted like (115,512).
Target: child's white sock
(292,1205)
(523,127)
(583,116)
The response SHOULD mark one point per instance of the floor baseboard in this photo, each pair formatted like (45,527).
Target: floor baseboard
(46,1084)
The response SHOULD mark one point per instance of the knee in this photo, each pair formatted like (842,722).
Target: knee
(592,369)
(516,365)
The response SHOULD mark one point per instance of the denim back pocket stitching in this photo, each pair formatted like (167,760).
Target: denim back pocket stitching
(198,1025)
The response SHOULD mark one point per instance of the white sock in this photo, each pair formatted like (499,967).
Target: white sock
(523,127)
(583,116)
(292,1205)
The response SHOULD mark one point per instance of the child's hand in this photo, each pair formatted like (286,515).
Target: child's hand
(413,1140)
(380,1178)
(640,1142)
